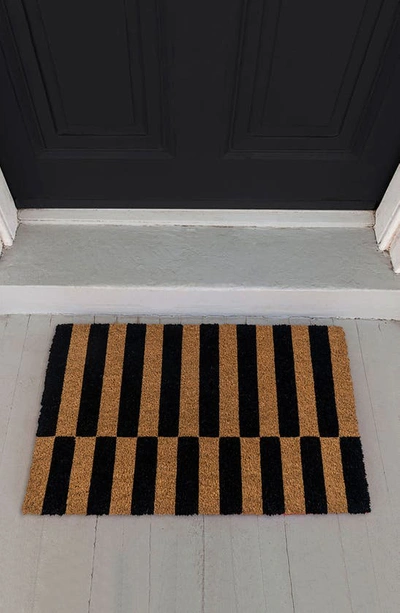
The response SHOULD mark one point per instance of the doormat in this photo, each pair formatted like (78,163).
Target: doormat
(197,419)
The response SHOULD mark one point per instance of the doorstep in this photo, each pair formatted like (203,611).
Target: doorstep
(183,270)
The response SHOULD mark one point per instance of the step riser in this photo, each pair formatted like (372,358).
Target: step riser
(186,301)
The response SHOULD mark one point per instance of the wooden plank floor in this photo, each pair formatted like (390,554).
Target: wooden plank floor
(306,564)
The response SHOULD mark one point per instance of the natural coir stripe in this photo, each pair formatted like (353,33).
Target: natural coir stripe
(112,378)
(197,419)
(228,381)
(124,468)
(189,390)
(81,475)
(266,380)
(308,420)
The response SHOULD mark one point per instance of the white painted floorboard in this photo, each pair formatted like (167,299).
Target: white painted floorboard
(318,564)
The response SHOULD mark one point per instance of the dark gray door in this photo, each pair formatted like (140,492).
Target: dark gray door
(217,103)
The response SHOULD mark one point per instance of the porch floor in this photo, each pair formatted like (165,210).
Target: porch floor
(301,564)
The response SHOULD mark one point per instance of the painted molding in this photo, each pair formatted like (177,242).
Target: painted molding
(8,214)
(387,223)
(200,217)
(201,301)
(395,253)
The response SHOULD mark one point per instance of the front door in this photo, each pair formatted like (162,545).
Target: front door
(211,103)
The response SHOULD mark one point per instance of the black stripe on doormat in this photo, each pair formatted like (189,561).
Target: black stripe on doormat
(271,476)
(92,381)
(249,418)
(209,380)
(354,475)
(285,382)
(102,476)
(168,423)
(55,499)
(313,475)
(187,476)
(131,384)
(53,385)
(323,381)
(144,480)
(230,476)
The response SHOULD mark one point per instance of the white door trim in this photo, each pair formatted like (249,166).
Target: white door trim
(388,213)
(387,223)
(8,214)
(269,218)
(394,251)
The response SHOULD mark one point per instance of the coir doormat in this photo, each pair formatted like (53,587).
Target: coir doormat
(209,419)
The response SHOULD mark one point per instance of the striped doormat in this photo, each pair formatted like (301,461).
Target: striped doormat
(209,419)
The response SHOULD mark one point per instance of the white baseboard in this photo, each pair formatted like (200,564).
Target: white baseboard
(200,217)
(182,301)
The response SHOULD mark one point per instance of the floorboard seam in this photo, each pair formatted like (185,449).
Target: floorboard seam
(149,597)
(203,578)
(233,567)
(373,413)
(37,566)
(377,591)
(289,571)
(345,566)
(15,390)
(92,573)
(261,565)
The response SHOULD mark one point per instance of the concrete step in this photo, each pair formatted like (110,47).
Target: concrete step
(168,270)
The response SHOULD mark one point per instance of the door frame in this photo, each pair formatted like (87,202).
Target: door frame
(8,215)
(387,221)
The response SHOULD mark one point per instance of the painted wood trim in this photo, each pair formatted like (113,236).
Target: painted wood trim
(200,217)
(394,251)
(387,223)
(8,214)
(201,301)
